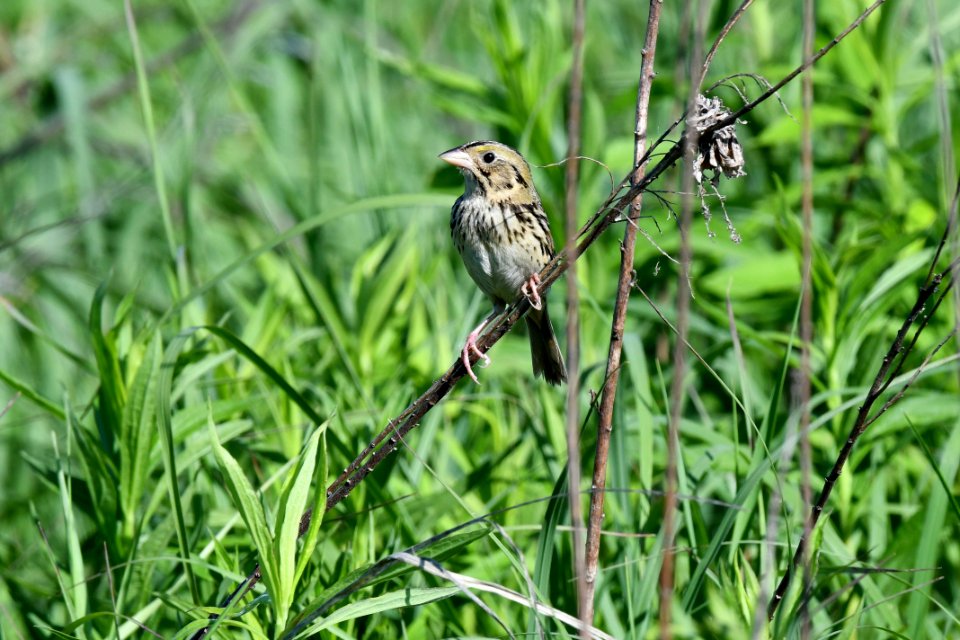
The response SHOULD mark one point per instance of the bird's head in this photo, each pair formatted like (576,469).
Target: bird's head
(494,170)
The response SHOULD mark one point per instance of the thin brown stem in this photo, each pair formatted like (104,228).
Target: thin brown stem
(734,19)
(624,286)
(684,293)
(572,180)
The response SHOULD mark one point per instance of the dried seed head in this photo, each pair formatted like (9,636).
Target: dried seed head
(718,151)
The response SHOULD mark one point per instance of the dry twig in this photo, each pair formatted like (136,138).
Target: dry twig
(693,158)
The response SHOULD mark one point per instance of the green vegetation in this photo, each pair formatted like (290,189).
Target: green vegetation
(225,264)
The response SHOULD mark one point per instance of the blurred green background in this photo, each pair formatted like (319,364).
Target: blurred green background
(271,171)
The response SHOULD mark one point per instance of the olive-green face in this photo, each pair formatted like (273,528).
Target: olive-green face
(495,170)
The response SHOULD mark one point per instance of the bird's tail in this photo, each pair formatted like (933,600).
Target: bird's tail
(544,349)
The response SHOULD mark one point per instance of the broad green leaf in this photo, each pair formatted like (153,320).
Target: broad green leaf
(112,389)
(136,441)
(390,601)
(320,484)
(248,504)
(293,504)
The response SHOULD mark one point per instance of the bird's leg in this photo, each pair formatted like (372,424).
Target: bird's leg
(470,348)
(529,289)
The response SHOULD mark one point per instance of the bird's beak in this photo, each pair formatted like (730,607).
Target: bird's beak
(457,158)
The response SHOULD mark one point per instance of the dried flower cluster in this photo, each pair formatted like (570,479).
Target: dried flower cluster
(718,151)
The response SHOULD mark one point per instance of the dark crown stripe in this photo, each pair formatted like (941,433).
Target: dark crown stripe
(479,143)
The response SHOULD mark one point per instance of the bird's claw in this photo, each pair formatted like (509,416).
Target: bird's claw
(529,289)
(471,347)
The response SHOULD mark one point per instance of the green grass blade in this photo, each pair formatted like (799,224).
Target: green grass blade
(547,540)
(390,601)
(930,547)
(112,392)
(164,413)
(320,483)
(719,535)
(75,590)
(251,355)
(293,503)
(27,392)
(954,505)
(248,504)
(146,106)
(440,547)
(136,439)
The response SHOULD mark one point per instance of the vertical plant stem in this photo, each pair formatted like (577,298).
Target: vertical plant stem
(806,302)
(684,293)
(572,178)
(624,285)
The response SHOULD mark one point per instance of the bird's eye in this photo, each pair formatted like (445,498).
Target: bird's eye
(488,157)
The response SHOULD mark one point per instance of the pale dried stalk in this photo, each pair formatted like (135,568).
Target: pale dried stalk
(684,293)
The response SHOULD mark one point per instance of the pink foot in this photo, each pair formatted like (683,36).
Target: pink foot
(471,347)
(529,289)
